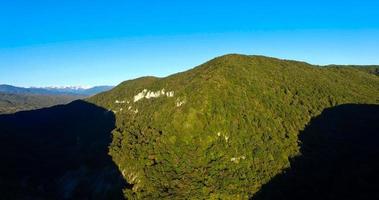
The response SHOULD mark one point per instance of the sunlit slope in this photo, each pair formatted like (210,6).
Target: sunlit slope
(224,128)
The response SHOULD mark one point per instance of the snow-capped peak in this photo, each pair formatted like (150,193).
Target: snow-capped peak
(64,87)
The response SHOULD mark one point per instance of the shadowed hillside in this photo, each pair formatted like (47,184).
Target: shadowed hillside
(340,158)
(58,153)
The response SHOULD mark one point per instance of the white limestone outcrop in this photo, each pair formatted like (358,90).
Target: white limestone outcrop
(119,102)
(152,94)
(170,94)
(237,159)
(179,102)
(140,95)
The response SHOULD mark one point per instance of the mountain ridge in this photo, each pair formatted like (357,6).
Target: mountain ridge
(11,103)
(14,99)
(70,90)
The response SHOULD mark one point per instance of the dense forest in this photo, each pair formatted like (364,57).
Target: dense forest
(235,127)
(225,128)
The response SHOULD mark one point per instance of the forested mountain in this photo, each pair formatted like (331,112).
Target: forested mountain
(234,127)
(225,128)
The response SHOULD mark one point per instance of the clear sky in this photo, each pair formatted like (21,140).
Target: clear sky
(91,42)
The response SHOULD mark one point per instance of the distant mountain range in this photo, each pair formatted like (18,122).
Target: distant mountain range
(69,90)
(14,99)
(11,103)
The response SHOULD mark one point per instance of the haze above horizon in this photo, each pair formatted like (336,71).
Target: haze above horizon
(47,43)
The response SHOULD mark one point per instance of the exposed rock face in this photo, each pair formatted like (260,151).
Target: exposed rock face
(151,94)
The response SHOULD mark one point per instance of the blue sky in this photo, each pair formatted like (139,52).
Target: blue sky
(79,42)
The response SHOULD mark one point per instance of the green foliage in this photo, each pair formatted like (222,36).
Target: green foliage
(230,127)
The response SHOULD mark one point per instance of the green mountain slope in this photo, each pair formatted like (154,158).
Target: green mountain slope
(224,128)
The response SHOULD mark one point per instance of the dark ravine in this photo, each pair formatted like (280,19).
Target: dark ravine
(339,158)
(58,153)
